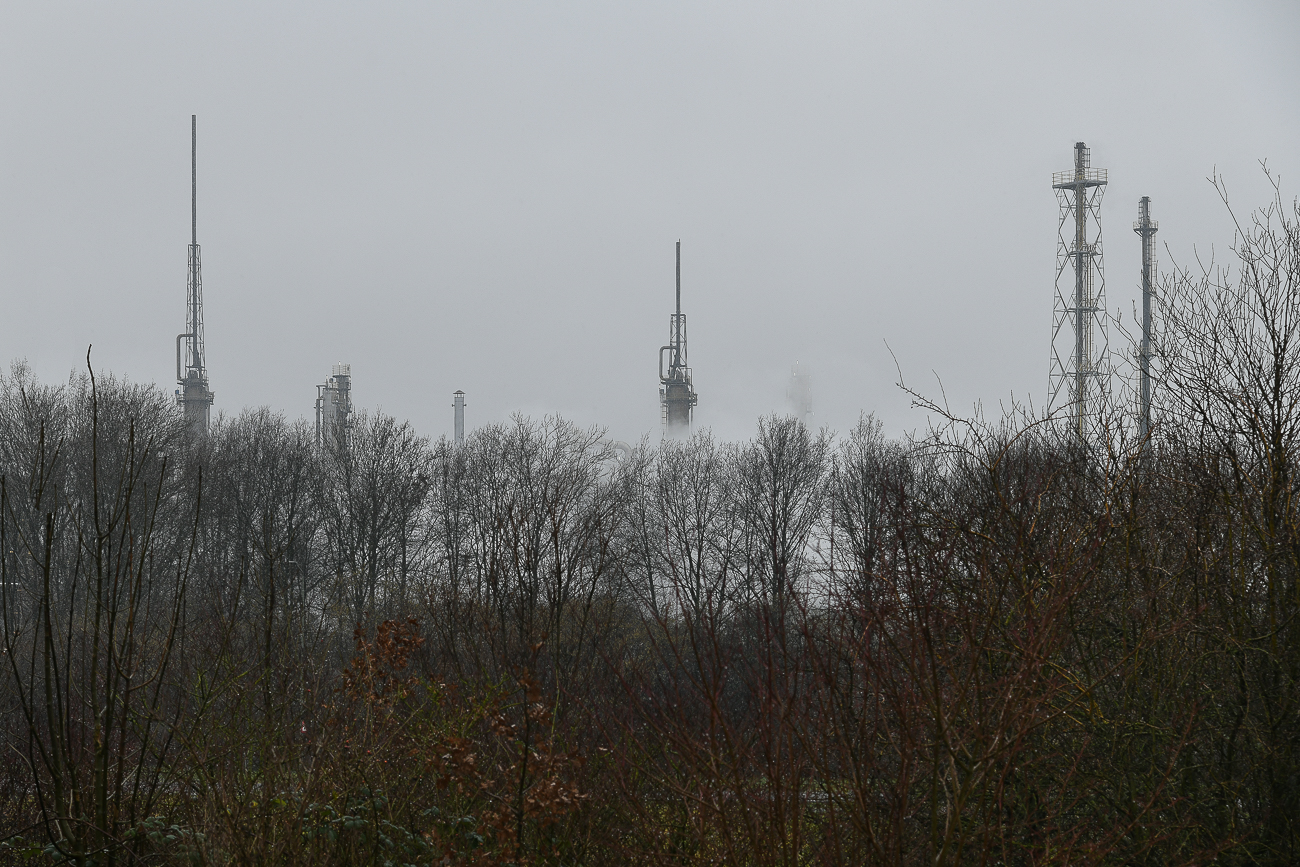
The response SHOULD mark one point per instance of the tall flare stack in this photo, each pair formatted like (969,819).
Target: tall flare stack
(458,406)
(191,364)
(1080,374)
(1146,228)
(677,396)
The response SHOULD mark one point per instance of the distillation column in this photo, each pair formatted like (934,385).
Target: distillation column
(1079,375)
(191,364)
(334,409)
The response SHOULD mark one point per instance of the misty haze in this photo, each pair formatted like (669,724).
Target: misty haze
(518,434)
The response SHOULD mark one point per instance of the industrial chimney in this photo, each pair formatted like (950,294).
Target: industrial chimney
(458,402)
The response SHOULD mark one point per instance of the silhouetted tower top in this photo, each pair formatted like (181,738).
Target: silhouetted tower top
(193,393)
(677,396)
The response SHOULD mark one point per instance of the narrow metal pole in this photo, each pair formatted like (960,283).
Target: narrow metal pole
(1080,329)
(1147,229)
(195,361)
(194,179)
(677,323)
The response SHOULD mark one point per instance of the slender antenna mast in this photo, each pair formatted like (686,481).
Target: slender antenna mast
(194,179)
(196,282)
(193,394)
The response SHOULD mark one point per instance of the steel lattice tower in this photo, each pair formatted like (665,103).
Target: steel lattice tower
(677,396)
(1080,374)
(193,393)
(1146,228)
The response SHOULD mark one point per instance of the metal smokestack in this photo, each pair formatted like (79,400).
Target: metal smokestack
(458,402)
(1146,228)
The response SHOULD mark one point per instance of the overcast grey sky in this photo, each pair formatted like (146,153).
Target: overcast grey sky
(486,196)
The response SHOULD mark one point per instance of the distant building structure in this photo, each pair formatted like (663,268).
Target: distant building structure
(334,408)
(458,404)
(1080,366)
(192,393)
(677,396)
(1146,228)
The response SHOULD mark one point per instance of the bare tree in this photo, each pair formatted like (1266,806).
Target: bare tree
(92,607)
(373,492)
(780,487)
(686,528)
(1230,411)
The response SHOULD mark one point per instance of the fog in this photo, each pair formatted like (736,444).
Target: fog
(487,196)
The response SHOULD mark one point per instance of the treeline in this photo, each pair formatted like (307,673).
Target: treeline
(994,643)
